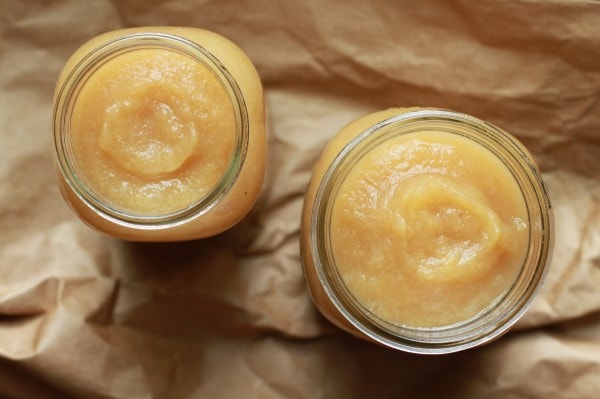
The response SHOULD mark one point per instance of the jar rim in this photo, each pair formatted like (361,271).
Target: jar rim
(76,79)
(496,318)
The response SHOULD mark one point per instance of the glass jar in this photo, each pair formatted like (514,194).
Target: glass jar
(425,230)
(160,133)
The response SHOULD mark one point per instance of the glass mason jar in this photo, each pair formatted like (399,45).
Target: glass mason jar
(425,230)
(159,133)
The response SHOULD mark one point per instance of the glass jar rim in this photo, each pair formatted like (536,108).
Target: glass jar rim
(499,316)
(76,79)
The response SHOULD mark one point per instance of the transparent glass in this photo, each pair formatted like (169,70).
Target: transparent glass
(326,285)
(200,218)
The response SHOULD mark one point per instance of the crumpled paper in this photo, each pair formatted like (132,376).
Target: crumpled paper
(87,316)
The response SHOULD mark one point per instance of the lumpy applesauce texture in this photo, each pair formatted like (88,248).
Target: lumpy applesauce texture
(429,229)
(152,131)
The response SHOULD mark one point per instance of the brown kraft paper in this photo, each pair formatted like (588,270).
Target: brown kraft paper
(87,316)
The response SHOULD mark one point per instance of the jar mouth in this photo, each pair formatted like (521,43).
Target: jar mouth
(500,315)
(63,113)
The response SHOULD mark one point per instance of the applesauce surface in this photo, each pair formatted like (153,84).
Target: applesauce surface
(429,229)
(153,131)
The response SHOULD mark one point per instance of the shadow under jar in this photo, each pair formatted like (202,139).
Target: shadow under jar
(160,133)
(425,230)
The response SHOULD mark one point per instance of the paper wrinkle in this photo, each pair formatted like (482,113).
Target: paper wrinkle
(86,316)
(30,301)
(279,361)
(565,31)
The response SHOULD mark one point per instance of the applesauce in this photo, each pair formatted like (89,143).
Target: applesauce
(425,230)
(160,133)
